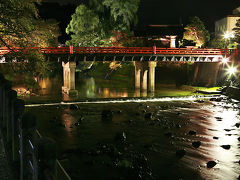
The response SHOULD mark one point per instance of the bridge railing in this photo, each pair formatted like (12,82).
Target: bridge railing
(36,155)
(119,50)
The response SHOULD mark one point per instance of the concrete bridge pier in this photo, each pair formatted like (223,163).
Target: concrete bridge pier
(145,75)
(151,85)
(69,78)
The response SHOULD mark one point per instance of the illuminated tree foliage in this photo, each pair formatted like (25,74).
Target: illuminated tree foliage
(21,26)
(237,32)
(195,31)
(16,20)
(95,24)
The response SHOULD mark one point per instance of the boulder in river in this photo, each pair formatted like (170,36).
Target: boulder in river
(196,144)
(227,147)
(192,132)
(148,116)
(211,164)
(74,107)
(121,137)
(237,125)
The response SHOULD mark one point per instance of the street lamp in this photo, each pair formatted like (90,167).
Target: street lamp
(227,36)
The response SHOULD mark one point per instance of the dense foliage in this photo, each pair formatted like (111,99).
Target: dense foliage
(97,23)
(195,31)
(21,26)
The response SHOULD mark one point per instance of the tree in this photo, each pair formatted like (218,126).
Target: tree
(21,26)
(237,32)
(95,24)
(195,31)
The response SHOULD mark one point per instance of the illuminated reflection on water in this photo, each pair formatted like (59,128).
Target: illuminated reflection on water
(213,122)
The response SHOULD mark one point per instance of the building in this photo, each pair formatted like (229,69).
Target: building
(161,35)
(226,24)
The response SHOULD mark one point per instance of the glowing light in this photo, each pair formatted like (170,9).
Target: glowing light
(225,60)
(226,35)
(231,70)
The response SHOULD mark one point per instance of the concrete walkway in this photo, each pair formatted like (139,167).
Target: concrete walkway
(5,170)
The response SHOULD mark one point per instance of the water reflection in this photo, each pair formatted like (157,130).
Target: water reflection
(222,131)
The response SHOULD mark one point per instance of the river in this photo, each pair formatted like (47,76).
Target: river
(111,131)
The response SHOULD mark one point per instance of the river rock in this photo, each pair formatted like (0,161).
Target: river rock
(214,137)
(239,139)
(211,164)
(107,115)
(192,132)
(118,111)
(77,124)
(148,116)
(80,120)
(218,118)
(121,137)
(196,144)
(216,99)
(180,153)
(200,101)
(74,107)
(237,125)
(227,147)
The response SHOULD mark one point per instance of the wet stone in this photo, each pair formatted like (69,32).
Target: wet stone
(200,101)
(239,139)
(77,124)
(118,111)
(218,118)
(148,116)
(227,147)
(178,126)
(196,144)
(237,125)
(121,137)
(74,107)
(180,153)
(211,164)
(80,119)
(215,137)
(192,132)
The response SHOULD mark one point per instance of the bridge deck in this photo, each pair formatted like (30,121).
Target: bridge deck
(129,53)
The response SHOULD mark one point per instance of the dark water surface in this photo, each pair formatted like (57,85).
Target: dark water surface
(89,148)
(148,137)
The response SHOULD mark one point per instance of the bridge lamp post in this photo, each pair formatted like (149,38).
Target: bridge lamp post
(227,36)
(231,71)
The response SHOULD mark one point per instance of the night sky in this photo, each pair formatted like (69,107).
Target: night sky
(163,12)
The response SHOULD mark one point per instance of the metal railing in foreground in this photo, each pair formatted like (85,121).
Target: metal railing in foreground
(35,154)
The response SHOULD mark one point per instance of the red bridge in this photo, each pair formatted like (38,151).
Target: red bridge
(130,53)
